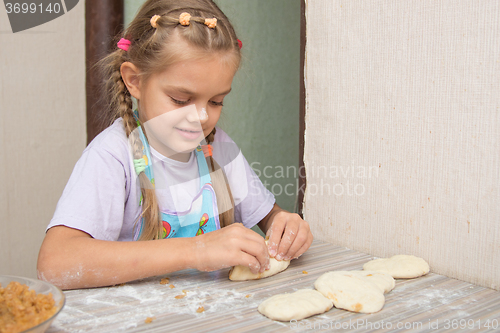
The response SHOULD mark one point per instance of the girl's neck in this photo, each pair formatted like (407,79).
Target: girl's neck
(170,154)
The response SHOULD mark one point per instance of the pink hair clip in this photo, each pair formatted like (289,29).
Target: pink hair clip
(240,44)
(123,44)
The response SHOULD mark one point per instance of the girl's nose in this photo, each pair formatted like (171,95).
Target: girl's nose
(193,114)
(198,114)
(203,114)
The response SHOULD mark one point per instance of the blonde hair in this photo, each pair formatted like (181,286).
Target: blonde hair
(152,49)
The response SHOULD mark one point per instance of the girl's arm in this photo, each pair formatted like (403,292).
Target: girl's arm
(289,235)
(71,258)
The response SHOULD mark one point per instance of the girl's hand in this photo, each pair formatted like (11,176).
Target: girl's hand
(231,246)
(289,235)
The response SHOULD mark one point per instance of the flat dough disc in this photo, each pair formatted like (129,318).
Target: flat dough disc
(354,291)
(242,273)
(298,305)
(382,280)
(399,266)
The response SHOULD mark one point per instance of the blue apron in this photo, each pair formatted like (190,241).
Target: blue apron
(200,218)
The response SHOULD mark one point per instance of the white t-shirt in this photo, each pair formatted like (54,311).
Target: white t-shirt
(102,195)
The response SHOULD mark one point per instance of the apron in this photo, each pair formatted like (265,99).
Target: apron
(200,218)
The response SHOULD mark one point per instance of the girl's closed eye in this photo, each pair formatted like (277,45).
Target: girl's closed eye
(215,103)
(179,101)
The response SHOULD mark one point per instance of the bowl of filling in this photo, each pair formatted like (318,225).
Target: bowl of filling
(28,305)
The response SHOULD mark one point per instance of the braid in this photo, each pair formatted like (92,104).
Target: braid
(150,208)
(225,201)
(121,103)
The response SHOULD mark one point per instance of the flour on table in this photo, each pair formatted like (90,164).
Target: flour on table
(399,266)
(298,305)
(118,308)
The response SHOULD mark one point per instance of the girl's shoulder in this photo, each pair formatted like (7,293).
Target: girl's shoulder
(112,140)
(221,135)
(225,150)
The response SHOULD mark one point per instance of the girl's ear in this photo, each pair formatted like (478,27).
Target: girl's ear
(131,78)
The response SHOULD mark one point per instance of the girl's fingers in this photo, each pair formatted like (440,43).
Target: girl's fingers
(246,247)
(287,240)
(289,236)
(302,247)
(274,235)
(257,250)
(299,241)
(251,262)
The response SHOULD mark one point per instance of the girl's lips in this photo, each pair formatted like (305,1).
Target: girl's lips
(189,134)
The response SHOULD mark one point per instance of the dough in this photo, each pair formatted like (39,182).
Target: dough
(242,273)
(382,280)
(355,291)
(399,266)
(298,305)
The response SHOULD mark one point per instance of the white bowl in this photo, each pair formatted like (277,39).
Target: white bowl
(40,287)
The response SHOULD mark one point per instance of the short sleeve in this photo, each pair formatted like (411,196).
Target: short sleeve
(94,198)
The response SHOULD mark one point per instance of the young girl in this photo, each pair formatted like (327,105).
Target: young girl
(163,189)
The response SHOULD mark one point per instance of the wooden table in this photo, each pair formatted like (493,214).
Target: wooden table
(432,303)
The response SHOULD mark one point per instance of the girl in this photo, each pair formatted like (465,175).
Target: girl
(165,175)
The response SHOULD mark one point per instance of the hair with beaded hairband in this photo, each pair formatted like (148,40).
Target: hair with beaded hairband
(184,19)
(124,44)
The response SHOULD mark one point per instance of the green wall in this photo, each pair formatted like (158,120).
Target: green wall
(262,112)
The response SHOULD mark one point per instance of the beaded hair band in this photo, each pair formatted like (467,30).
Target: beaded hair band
(184,19)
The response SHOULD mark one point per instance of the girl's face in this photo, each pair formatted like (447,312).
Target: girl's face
(171,102)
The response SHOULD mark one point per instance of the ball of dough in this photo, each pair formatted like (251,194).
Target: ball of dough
(354,291)
(242,273)
(399,266)
(298,305)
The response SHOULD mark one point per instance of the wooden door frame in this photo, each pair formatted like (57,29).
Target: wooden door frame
(103,21)
(302,110)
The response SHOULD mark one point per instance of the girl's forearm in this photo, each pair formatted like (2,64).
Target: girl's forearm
(72,259)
